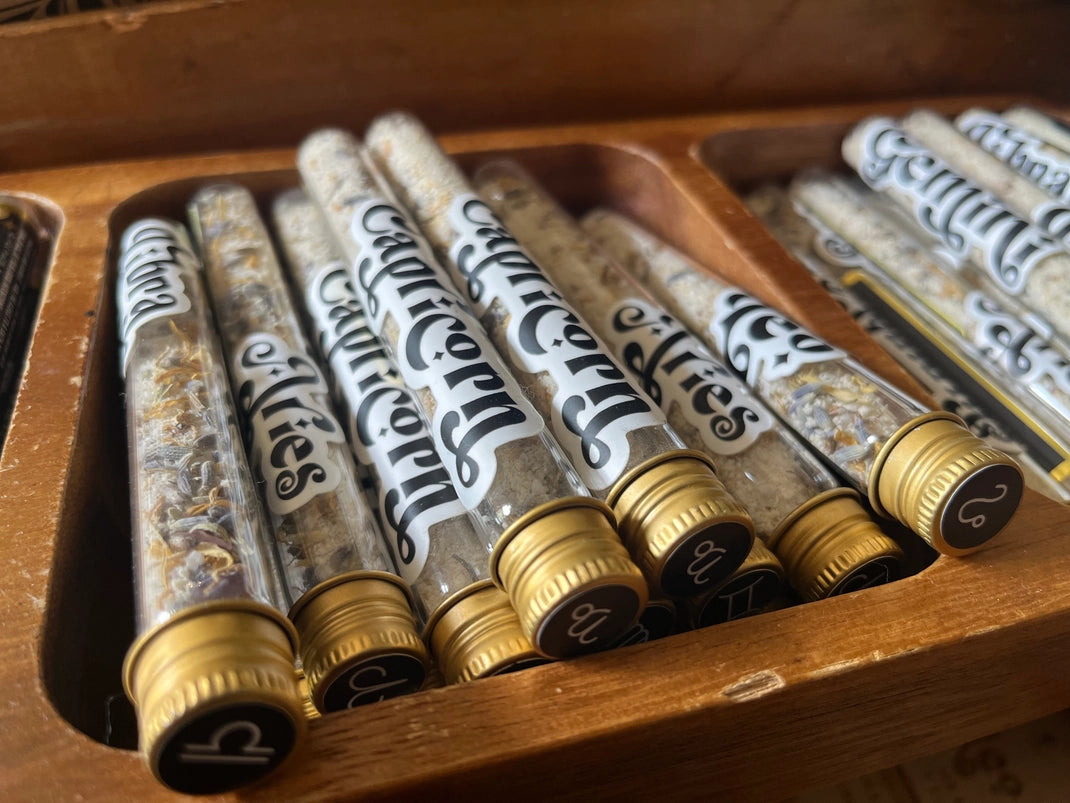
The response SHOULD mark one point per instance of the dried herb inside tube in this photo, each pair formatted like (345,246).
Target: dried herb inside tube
(959,387)
(680,524)
(212,671)
(976,228)
(920,467)
(1004,348)
(553,547)
(358,636)
(470,624)
(814,524)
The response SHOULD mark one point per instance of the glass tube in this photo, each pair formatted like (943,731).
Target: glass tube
(214,653)
(358,634)
(680,524)
(712,410)
(959,387)
(552,545)
(977,165)
(1042,164)
(433,542)
(1024,361)
(920,467)
(978,231)
(1040,125)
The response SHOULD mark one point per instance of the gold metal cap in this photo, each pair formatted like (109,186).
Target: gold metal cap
(217,698)
(311,712)
(359,642)
(479,635)
(945,484)
(751,589)
(658,620)
(830,545)
(681,525)
(568,576)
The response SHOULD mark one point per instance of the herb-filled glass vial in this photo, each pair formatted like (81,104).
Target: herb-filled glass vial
(791,495)
(958,386)
(212,670)
(359,639)
(680,524)
(1019,359)
(920,467)
(976,164)
(469,623)
(552,545)
(976,229)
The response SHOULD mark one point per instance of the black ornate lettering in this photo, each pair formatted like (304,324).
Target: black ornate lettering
(962,215)
(395,253)
(283,396)
(460,443)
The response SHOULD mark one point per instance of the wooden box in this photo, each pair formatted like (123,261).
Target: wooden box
(755,709)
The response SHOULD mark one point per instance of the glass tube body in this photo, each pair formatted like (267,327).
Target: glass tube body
(323,526)
(1025,361)
(552,545)
(1040,125)
(710,409)
(499,453)
(197,523)
(925,349)
(605,423)
(1014,258)
(840,408)
(434,543)
(1045,166)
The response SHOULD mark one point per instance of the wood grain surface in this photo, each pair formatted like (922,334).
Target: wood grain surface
(208,75)
(754,709)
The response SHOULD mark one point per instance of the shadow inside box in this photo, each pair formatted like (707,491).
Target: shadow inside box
(89,619)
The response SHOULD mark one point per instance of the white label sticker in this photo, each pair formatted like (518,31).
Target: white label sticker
(1019,150)
(963,216)
(284,398)
(1021,348)
(672,365)
(154,256)
(595,405)
(761,344)
(1054,218)
(441,347)
(386,430)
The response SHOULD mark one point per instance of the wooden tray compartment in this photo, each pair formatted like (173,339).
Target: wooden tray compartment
(761,707)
